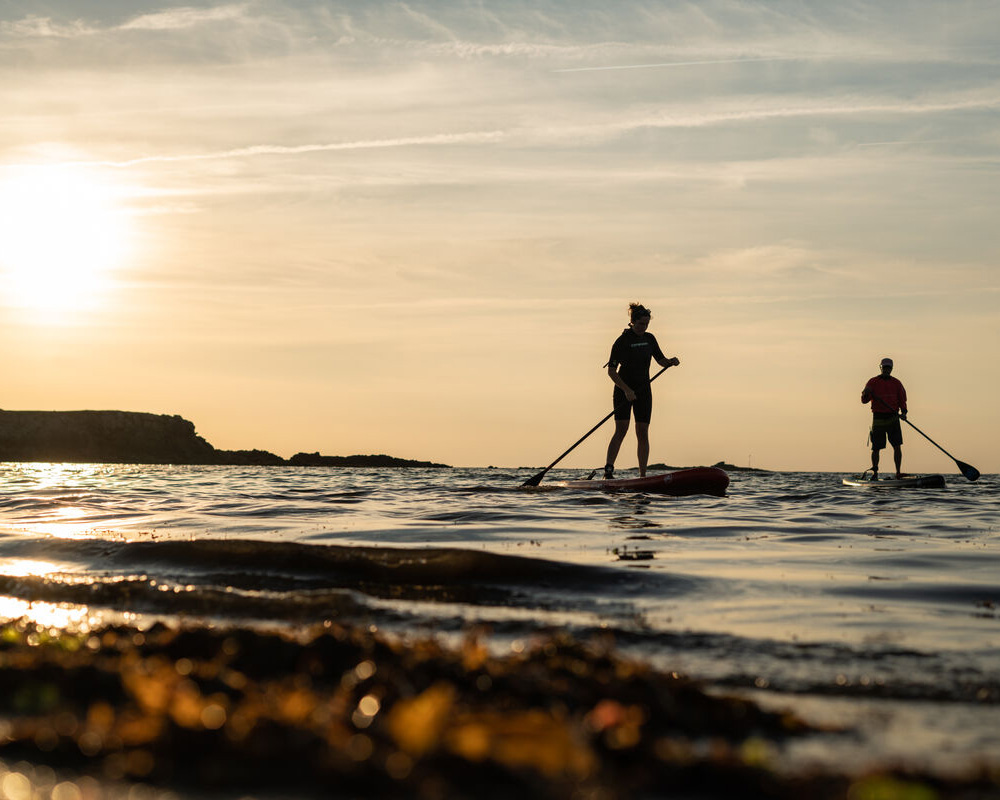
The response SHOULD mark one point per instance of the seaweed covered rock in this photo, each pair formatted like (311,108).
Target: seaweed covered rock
(345,712)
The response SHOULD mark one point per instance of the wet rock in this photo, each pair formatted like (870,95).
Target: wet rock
(340,711)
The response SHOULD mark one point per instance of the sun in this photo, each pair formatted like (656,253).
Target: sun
(63,233)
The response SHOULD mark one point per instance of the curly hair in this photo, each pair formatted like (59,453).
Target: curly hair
(637,310)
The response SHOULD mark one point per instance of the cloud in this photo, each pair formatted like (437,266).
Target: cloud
(758,109)
(33,27)
(170,20)
(589,37)
(582,126)
(679,64)
(182,18)
(475,137)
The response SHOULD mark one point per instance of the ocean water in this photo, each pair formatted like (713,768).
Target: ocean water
(876,613)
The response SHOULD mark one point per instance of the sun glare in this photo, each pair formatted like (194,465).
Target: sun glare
(62,234)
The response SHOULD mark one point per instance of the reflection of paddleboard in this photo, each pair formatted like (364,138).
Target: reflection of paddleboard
(892,482)
(700,480)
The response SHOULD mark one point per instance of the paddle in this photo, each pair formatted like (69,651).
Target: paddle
(967,470)
(537,479)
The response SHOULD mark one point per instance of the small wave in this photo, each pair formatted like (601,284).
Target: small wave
(144,595)
(477,515)
(896,589)
(438,574)
(259,510)
(822,668)
(312,495)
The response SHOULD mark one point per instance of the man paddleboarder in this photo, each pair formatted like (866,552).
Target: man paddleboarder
(628,368)
(888,399)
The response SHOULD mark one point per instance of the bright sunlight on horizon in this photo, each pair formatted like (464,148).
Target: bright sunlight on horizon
(415,228)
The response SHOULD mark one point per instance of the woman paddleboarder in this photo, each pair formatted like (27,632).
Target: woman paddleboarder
(628,368)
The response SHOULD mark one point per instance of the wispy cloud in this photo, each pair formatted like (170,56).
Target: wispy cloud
(33,27)
(668,64)
(475,137)
(901,142)
(182,18)
(765,108)
(595,126)
(38,27)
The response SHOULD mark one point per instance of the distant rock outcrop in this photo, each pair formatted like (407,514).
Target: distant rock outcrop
(316,460)
(720,464)
(248,458)
(131,437)
(115,437)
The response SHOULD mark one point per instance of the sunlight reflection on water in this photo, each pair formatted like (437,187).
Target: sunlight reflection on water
(55,615)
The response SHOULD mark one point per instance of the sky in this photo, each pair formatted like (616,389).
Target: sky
(414,228)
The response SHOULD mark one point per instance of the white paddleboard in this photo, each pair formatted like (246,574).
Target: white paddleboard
(892,482)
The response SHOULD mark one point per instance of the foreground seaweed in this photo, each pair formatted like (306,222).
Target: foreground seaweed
(346,712)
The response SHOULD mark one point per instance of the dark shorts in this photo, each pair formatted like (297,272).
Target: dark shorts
(642,407)
(885,426)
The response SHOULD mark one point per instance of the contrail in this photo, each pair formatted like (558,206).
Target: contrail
(679,64)
(475,137)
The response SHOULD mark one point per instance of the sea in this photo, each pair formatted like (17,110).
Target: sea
(873,614)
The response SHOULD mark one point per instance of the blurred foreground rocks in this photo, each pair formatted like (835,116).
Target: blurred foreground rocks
(343,711)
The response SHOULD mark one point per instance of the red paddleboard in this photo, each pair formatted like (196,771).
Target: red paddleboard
(700,480)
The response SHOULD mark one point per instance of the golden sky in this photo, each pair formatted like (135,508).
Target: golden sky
(414,228)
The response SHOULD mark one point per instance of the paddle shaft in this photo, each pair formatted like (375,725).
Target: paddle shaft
(929,439)
(534,481)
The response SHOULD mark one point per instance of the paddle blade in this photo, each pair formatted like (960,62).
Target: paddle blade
(968,470)
(537,479)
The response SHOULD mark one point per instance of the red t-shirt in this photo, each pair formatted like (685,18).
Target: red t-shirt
(887,395)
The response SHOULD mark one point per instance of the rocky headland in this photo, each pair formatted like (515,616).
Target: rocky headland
(130,437)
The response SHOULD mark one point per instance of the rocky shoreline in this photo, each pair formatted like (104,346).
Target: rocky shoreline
(343,711)
(133,437)
(129,437)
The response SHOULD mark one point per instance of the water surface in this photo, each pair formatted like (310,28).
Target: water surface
(878,610)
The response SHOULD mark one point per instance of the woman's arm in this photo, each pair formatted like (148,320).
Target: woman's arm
(620,382)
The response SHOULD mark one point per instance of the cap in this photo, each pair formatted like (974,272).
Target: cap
(886,362)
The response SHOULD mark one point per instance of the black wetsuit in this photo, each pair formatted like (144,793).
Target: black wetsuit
(633,353)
